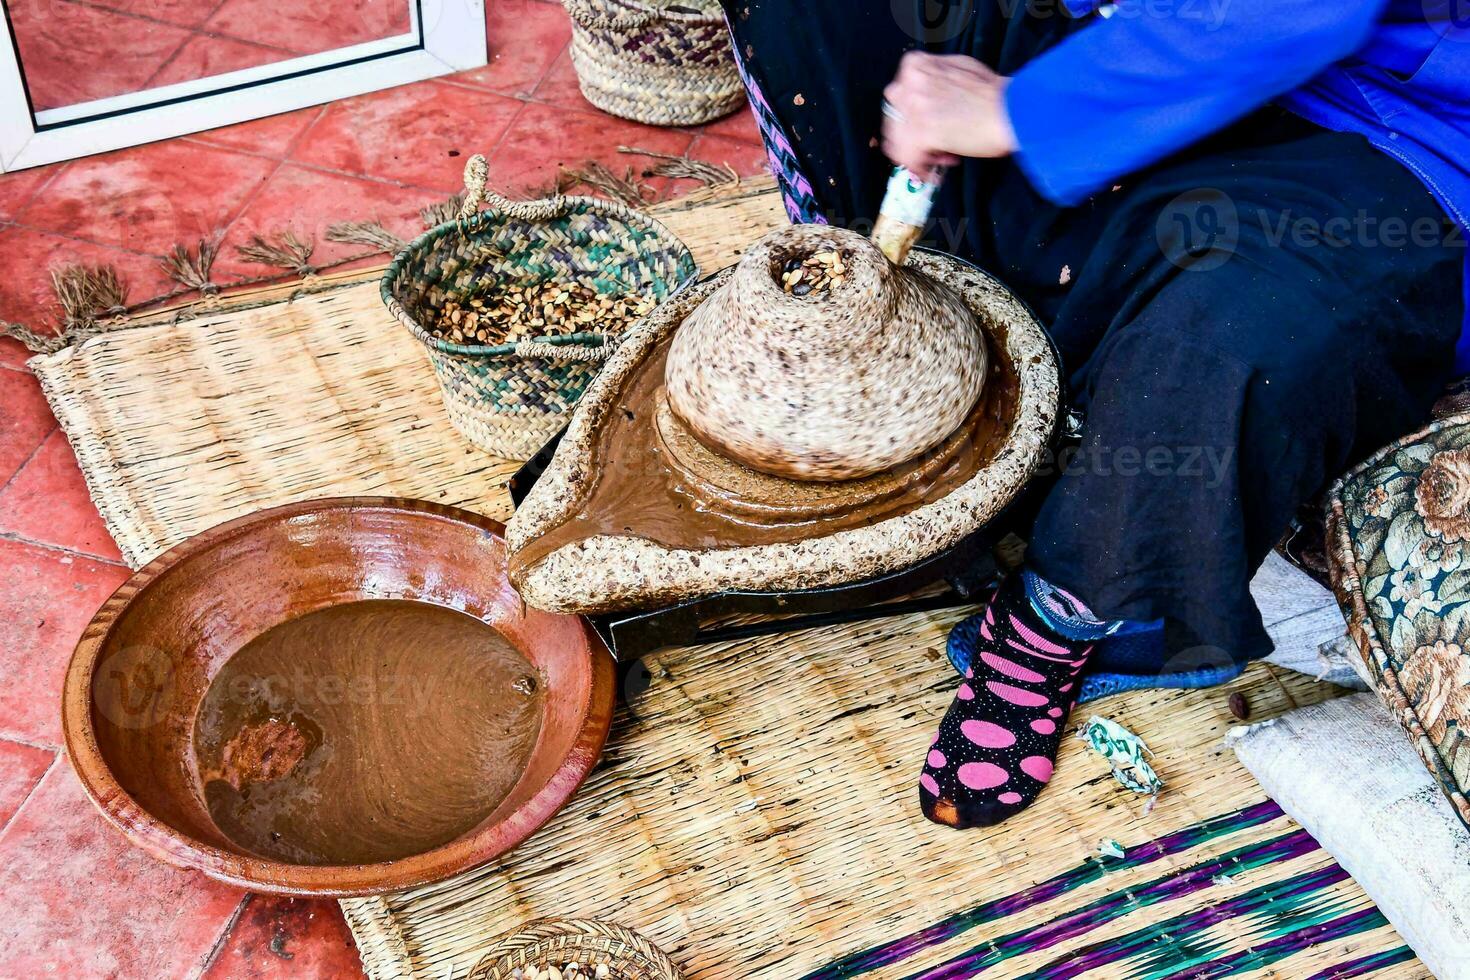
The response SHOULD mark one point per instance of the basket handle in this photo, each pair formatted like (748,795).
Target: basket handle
(592,19)
(476,194)
(567,352)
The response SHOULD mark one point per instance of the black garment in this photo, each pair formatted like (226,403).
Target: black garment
(1238,323)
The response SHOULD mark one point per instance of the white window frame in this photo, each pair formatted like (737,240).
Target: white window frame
(444,36)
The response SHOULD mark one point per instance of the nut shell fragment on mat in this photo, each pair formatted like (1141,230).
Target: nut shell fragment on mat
(603,571)
(838,383)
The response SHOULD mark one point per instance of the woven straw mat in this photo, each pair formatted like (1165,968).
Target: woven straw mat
(756,812)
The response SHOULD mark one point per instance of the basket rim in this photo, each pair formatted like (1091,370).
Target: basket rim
(491,215)
(551,935)
(509,349)
(688,16)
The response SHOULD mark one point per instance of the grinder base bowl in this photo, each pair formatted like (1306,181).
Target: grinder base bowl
(564,562)
(722,484)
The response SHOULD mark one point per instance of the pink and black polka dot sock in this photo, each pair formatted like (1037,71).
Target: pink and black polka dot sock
(998,742)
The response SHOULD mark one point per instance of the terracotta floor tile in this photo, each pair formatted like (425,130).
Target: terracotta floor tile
(272,136)
(77,900)
(148,197)
(294,938)
(185,13)
(559,86)
(309,201)
(747,159)
(524,37)
(545,137)
(418,134)
(30,257)
(47,501)
(13,354)
(205,55)
(46,599)
(73,52)
(25,421)
(739,125)
(21,768)
(17,189)
(308,28)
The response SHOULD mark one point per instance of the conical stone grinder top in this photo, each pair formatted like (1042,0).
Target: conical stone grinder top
(875,369)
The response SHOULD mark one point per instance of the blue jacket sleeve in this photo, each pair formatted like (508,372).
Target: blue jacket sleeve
(1158,75)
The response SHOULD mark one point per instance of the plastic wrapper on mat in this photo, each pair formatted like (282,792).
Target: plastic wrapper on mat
(1343,770)
(1125,752)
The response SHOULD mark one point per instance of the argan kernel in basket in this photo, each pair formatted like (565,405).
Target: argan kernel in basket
(512,313)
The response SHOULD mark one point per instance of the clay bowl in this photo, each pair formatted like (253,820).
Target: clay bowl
(138,715)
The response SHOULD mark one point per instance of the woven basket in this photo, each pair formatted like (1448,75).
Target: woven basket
(655,62)
(560,941)
(509,399)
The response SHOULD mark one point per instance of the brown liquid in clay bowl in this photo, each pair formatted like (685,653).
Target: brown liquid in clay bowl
(334,697)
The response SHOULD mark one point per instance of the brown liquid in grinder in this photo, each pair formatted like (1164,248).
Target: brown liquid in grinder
(365,732)
(637,493)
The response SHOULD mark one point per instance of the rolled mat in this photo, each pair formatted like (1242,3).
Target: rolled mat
(1345,772)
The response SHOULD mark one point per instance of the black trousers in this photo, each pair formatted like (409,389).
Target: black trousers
(1237,323)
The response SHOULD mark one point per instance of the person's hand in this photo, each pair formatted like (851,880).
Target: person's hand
(944,107)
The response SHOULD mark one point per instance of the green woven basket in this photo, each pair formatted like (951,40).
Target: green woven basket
(509,399)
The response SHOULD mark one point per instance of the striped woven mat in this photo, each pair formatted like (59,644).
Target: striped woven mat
(756,813)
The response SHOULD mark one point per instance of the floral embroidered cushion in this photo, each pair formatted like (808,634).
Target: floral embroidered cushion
(1399,545)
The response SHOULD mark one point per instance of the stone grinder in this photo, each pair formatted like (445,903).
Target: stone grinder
(748,439)
(845,382)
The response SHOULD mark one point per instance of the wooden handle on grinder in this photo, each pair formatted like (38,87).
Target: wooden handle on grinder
(904,212)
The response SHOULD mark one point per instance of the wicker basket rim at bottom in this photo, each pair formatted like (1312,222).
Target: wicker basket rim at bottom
(547,942)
